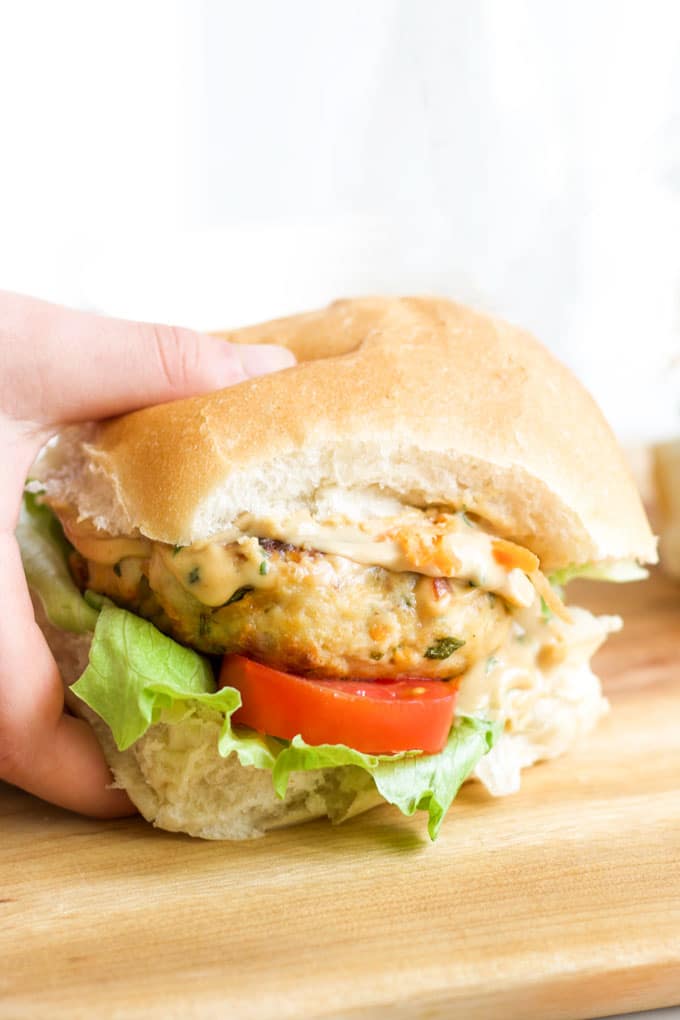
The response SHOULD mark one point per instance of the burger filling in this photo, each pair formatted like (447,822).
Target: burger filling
(428,596)
(360,643)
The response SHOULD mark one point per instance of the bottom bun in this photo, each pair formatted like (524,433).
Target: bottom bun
(176,778)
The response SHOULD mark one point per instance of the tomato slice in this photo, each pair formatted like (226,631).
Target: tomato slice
(373,716)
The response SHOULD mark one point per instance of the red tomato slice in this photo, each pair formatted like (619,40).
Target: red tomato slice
(373,716)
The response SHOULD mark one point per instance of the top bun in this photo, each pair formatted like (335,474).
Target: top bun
(417,398)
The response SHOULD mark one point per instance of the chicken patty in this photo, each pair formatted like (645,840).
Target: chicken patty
(304,611)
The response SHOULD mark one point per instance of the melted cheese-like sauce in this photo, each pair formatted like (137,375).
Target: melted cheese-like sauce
(432,544)
(212,572)
(463,552)
(100,547)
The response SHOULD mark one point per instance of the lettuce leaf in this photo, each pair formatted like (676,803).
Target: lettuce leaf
(412,782)
(44,552)
(138,676)
(431,781)
(619,571)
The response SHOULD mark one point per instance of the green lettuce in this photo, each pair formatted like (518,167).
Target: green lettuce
(619,571)
(137,677)
(44,552)
(412,782)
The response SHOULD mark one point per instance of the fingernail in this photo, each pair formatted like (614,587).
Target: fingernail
(259,359)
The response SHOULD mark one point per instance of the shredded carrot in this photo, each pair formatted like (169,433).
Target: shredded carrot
(427,550)
(550,596)
(510,555)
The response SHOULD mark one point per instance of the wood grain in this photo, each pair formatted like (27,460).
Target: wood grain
(560,902)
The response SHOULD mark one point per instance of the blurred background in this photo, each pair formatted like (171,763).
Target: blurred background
(215,163)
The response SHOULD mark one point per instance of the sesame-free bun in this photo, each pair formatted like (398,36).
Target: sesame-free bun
(177,779)
(419,398)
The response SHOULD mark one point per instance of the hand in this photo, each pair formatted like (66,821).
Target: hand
(59,366)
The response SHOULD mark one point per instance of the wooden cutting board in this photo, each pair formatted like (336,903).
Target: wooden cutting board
(561,901)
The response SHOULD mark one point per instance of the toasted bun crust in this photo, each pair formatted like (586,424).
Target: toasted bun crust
(421,397)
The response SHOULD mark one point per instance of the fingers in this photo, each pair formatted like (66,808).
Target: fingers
(53,755)
(58,365)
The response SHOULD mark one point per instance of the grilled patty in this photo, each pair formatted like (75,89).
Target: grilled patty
(309,612)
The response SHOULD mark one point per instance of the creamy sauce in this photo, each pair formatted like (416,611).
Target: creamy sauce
(457,550)
(434,544)
(99,547)
(213,573)
(540,686)
(521,670)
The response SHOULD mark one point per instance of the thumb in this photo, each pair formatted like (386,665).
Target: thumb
(74,366)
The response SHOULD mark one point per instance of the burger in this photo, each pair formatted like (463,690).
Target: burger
(340,584)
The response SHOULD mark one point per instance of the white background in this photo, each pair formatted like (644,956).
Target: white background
(216,163)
